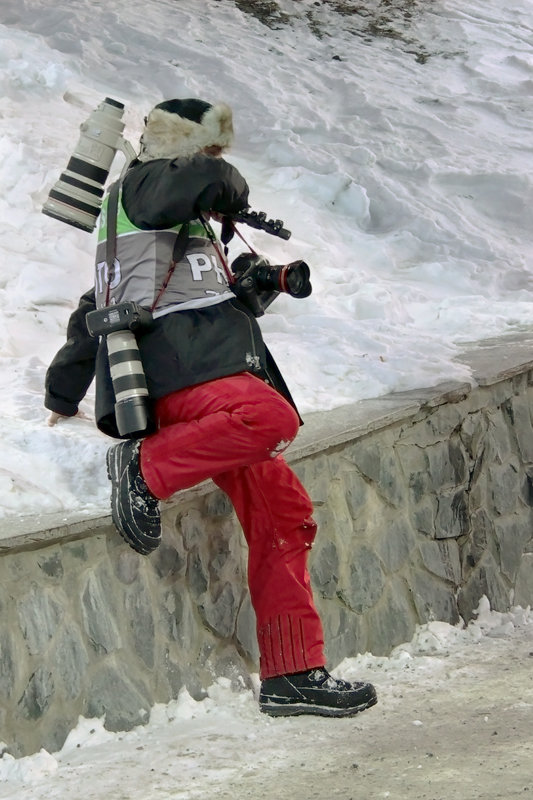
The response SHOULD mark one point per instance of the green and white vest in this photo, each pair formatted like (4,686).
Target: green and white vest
(142,262)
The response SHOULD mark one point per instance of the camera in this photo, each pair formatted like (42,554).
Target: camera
(258,283)
(76,198)
(119,323)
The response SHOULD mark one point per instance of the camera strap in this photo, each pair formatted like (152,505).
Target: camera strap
(111,235)
(241,237)
(178,251)
(214,241)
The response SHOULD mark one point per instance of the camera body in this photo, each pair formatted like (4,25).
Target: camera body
(119,324)
(119,317)
(258,283)
(76,198)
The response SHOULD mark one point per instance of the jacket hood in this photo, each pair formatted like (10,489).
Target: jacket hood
(169,135)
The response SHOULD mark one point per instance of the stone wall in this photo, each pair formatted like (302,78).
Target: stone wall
(424,502)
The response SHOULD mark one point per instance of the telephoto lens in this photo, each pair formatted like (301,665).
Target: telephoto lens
(129,383)
(76,198)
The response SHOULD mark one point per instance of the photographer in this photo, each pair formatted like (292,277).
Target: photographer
(220,408)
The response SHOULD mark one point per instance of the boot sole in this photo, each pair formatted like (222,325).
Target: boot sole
(298,709)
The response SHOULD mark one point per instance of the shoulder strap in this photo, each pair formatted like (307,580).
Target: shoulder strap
(111,234)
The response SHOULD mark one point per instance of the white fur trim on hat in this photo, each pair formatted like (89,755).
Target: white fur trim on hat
(168,135)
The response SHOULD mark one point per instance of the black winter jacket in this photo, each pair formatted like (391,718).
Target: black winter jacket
(179,349)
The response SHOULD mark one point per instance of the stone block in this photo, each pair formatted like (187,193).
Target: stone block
(434,424)
(365,455)
(472,433)
(414,464)
(113,696)
(452,519)
(315,475)
(504,485)
(8,668)
(491,395)
(393,620)
(75,551)
(441,558)
(424,516)
(481,540)
(433,599)
(377,462)
(218,504)
(245,629)
(523,595)
(71,662)
(219,557)
(519,413)
(499,441)
(98,618)
(395,544)
(447,465)
(363,583)
(168,561)
(324,566)
(197,574)
(173,674)
(126,566)
(526,488)
(390,485)
(484,580)
(219,608)
(338,508)
(511,534)
(227,663)
(170,613)
(39,617)
(192,526)
(38,694)
(51,564)
(188,621)
(138,606)
(346,632)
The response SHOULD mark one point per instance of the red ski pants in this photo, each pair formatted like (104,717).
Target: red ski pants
(233,431)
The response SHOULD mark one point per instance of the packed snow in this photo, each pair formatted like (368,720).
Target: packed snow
(394,140)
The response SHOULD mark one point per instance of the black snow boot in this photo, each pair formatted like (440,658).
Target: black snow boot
(314,692)
(134,509)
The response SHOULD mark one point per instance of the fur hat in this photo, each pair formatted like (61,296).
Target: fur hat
(184,127)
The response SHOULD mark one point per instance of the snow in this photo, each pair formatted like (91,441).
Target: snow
(394,142)
(190,749)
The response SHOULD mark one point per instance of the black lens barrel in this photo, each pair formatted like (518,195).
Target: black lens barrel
(73,202)
(295,277)
(290,278)
(87,187)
